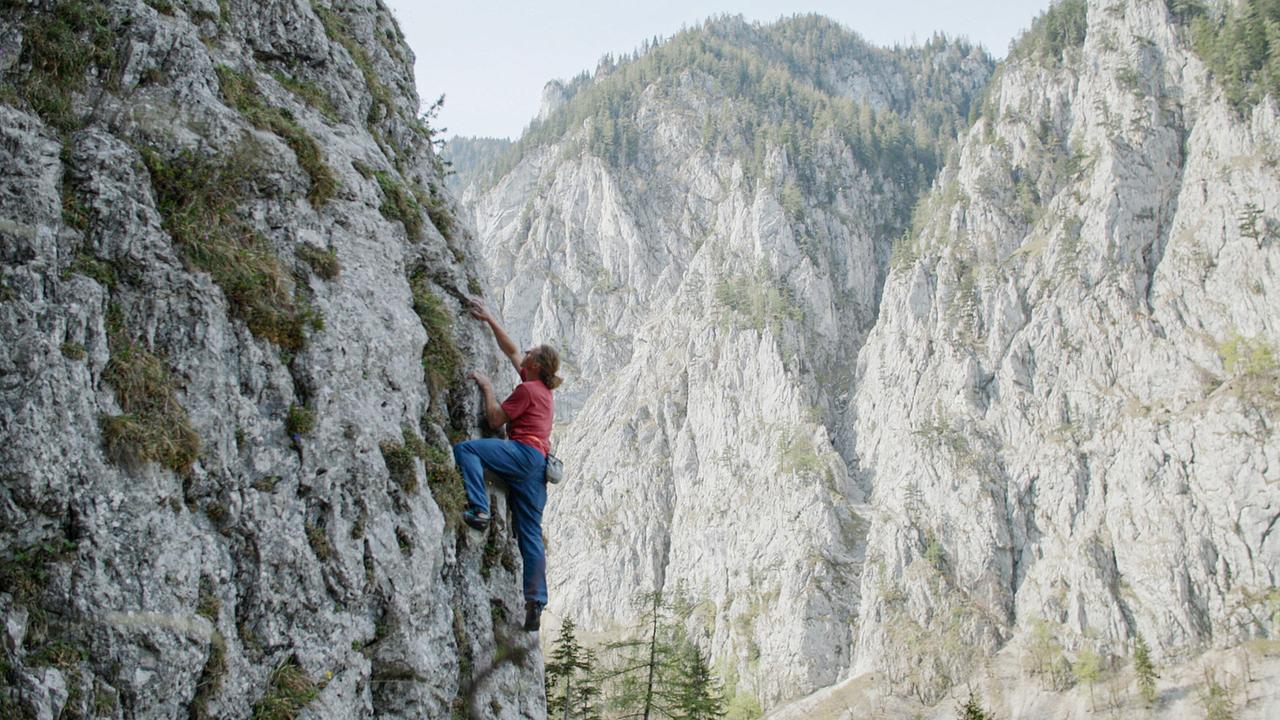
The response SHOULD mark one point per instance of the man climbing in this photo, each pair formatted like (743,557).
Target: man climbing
(521,460)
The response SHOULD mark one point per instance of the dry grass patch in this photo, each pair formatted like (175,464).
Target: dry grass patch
(197,198)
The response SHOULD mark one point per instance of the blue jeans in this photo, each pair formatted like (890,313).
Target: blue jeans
(523,468)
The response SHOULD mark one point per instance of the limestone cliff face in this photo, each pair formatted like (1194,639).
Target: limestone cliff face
(1057,417)
(709,283)
(1042,423)
(223,427)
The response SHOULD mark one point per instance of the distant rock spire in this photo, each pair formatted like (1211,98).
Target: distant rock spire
(553,96)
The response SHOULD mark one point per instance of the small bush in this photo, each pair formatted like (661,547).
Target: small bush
(309,93)
(973,710)
(399,461)
(399,205)
(445,484)
(799,453)
(290,691)
(73,351)
(208,606)
(1216,698)
(154,426)
(1254,371)
(300,421)
(1145,670)
(441,358)
(323,262)
(197,200)
(339,31)
(319,542)
(210,682)
(59,46)
(242,93)
(91,267)
(442,477)
(1253,357)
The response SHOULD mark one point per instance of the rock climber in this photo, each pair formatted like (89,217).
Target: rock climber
(521,460)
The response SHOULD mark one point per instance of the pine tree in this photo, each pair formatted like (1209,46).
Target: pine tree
(567,662)
(1216,698)
(1088,668)
(652,674)
(701,697)
(586,693)
(1145,670)
(973,710)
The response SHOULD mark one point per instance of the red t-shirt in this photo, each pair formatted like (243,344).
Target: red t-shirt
(530,411)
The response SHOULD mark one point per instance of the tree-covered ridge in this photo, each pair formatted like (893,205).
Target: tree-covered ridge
(1053,33)
(1241,46)
(782,85)
(466,156)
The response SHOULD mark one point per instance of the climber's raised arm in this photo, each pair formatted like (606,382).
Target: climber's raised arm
(505,343)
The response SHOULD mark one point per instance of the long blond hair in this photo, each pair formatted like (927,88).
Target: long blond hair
(548,366)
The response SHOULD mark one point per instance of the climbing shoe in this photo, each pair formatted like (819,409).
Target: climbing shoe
(477,519)
(532,616)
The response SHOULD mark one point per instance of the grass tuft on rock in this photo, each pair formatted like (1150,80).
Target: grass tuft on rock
(323,262)
(400,205)
(73,351)
(59,47)
(210,682)
(399,461)
(26,573)
(92,267)
(309,93)
(319,541)
(437,210)
(300,421)
(441,358)
(442,477)
(197,198)
(242,93)
(154,426)
(338,30)
(289,692)
(445,484)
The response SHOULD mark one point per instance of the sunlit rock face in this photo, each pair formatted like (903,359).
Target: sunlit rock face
(1039,411)
(710,282)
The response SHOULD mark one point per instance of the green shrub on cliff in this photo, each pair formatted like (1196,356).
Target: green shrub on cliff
(154,426)
(242,93)
(1241,48)
(197,198)
(59,47)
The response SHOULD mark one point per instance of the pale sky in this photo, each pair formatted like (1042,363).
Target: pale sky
(490,58)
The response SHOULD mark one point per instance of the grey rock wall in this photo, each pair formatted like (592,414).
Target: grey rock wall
(1051,414)
(708,332)
(1047,413)
(304,571)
